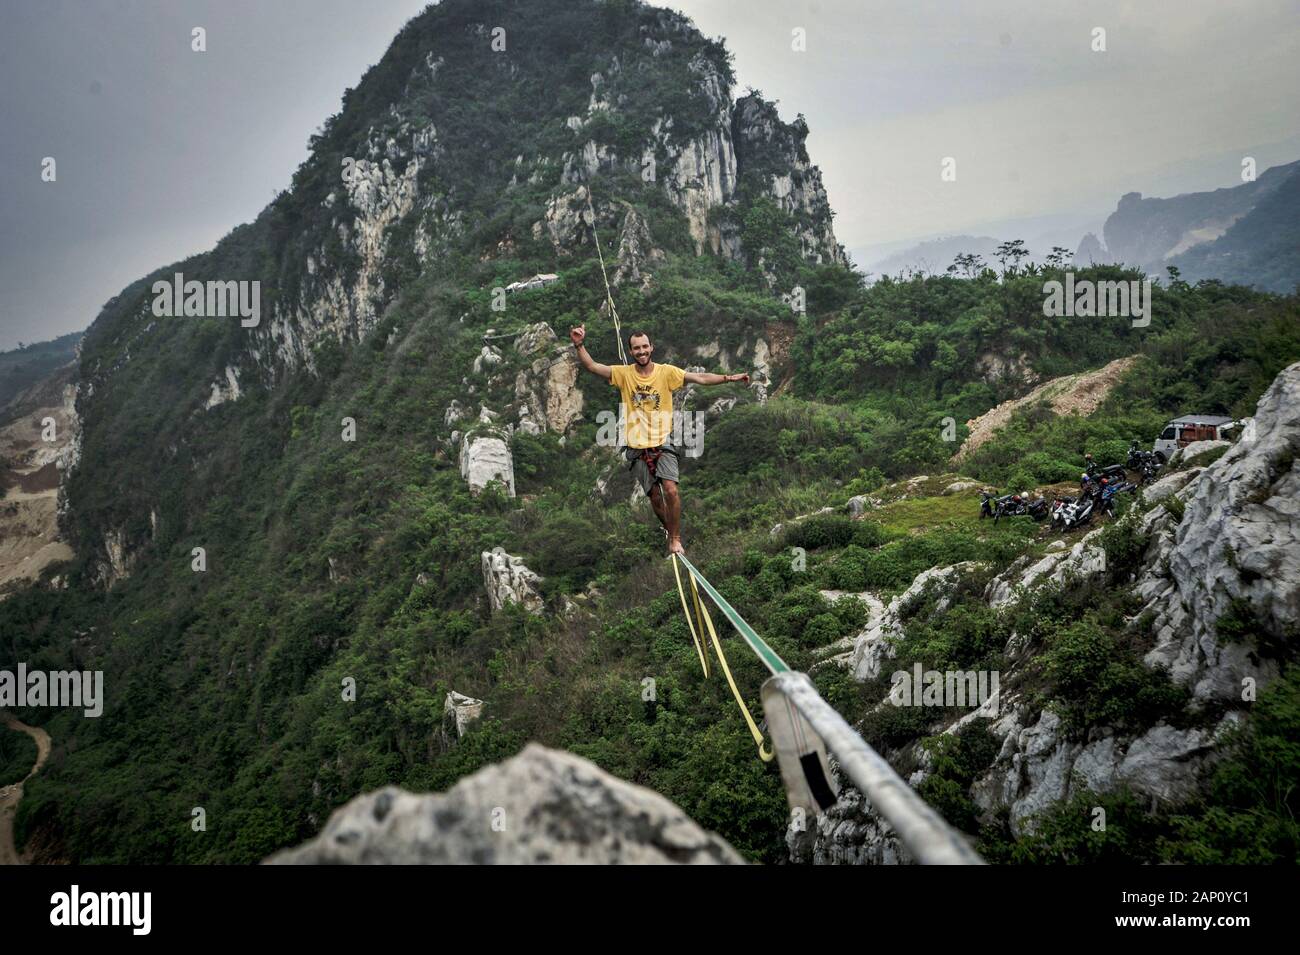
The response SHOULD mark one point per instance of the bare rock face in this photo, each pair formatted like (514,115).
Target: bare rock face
(1236,548)
(509,581)
(489,357)
(1167,486)
(995,368)
(548,387)
(874,645)
(380,190)
(223,391)
(701,173)
(849,833)
(797,186)
(1039,767)
(636,250)
(1084,560)
(1198,449)
(485,457)
(461,710)
(118,560)
(542,806)
(567,220)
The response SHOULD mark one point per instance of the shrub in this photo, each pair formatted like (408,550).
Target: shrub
(821,530)
(1097,680)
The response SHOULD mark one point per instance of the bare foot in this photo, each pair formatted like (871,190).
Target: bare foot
(675,546)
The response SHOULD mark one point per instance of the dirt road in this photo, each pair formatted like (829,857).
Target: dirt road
(10,795)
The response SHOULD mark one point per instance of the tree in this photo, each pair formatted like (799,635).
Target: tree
(1057,258)
(1014,250)
(969,263)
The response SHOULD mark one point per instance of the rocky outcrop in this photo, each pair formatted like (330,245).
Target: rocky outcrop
(380,190)
(224,390)
(792,181)
(875,643)
(699,170)
(459,711)
(485,457)
(700,173)
(1167,486)
(117,562)
(1236,551)
(33,471)
(548,389)
(488,357)
(636,250)
(1084,561)
(567,222)
(1197,449)
(851,832)
(1233,555)
(997,368)
(542,806)
(509,581)
(1039,766)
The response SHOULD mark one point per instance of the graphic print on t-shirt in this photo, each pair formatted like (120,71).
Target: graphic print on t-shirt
(648,401)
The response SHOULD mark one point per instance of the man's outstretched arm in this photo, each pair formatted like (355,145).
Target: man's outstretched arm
(578,336)
(709,378)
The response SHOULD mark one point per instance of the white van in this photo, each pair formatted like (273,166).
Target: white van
(1181,432)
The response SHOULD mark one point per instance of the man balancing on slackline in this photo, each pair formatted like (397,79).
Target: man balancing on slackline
(646,394)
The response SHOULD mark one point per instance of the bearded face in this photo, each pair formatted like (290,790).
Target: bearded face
(641,351)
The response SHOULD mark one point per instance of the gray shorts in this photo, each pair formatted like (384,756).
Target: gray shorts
(665,466)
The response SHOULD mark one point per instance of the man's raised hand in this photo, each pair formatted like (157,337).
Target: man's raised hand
(577,335)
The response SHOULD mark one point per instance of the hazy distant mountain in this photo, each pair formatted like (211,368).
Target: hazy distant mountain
(1090,251)
(1248,234)
(935,255)
(23,367)
(1261,249)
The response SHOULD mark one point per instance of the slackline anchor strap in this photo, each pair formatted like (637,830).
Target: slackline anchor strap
(705,621)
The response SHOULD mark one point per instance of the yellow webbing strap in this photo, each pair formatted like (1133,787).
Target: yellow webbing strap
(695,638)
(702,616)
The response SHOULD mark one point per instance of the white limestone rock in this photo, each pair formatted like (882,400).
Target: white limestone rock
(485,457)
(461,710)
(509,581)
(548,806)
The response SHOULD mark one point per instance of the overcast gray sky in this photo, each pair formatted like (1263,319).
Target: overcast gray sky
(161,151)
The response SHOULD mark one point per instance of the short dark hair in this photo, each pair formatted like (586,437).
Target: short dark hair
(646,335)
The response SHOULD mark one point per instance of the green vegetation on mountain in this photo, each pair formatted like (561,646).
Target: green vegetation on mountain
(28,365)
(330,561)
(17,755)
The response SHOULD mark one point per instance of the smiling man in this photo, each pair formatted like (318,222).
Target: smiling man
(646,393)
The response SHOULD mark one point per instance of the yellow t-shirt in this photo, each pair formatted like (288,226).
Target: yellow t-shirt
(648,402)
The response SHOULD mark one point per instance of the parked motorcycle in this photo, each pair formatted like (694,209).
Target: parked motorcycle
(990,504)
(1071,512)
(1147,464)
(1110,471)
(1110,491)
(1016,505)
